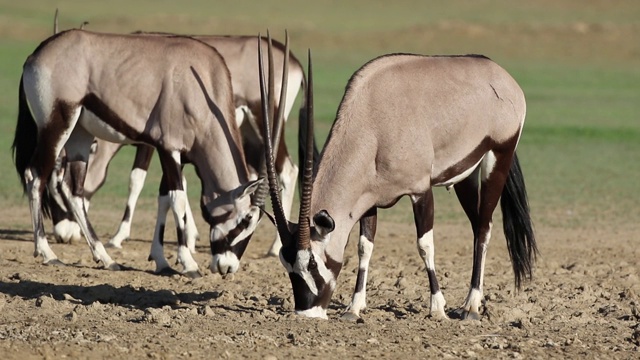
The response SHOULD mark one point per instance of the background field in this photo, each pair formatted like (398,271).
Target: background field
(578,62)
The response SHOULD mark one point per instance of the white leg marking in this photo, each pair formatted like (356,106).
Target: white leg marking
(191,230)
(136,182)
(179,204)
(471,306)
(314,312)
(41,244)
(359,298)
(157,250)
(488,163)
(77,208)
(426,249)
(438,304)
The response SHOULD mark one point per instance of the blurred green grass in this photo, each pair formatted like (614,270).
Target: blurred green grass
(577,61)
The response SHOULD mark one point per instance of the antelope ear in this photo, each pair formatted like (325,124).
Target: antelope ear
(324,223)
(250,187)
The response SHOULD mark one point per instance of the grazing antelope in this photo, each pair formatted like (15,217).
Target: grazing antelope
(407,123)
(240,54)
(176,95)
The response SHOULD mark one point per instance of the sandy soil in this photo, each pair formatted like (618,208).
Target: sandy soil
(583,302)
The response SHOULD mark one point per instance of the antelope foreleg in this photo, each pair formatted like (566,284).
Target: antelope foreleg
(136,182)
(75,202)
(179,205)
(358,303)
(423,212)
(157,244)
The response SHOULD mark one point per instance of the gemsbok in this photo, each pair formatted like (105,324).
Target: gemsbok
(407,123)
(240,55)
(173,93)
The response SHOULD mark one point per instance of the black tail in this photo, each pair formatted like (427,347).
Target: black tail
(518,228)
(24,144)
(302,140)
(25,138)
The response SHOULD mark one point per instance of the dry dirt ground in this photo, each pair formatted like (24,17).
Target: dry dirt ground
(583,302)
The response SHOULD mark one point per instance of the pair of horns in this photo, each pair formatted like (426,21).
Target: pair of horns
(261,192)
(282,224)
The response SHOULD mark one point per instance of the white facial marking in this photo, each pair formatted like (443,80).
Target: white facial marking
(300,267)
(225,263)
(314,312)
(220,231)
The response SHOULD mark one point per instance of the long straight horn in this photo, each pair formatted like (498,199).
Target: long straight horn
(274,188)
(304,222)
(55,22)
(277,129)
(261,193)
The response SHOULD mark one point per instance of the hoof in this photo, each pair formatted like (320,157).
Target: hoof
(351,317)
(114,267)
(463,314)
(112,246)
(54,262)
(472,316)
(193,274)
(167,271)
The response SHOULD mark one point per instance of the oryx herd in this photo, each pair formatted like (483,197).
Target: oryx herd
(406,123)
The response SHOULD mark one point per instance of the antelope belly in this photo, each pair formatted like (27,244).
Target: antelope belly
(100,129)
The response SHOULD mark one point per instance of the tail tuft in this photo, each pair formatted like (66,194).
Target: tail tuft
(518,228)
(25,138)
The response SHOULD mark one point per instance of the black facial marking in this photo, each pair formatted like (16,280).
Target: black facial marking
(223,245)
(303,297)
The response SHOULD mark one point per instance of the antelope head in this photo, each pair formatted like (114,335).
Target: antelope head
(233,219)
(311,272)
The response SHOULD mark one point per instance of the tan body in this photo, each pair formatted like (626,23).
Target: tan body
(404,147)
(240,55)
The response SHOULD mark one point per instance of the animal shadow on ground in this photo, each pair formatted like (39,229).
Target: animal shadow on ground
(126,296)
